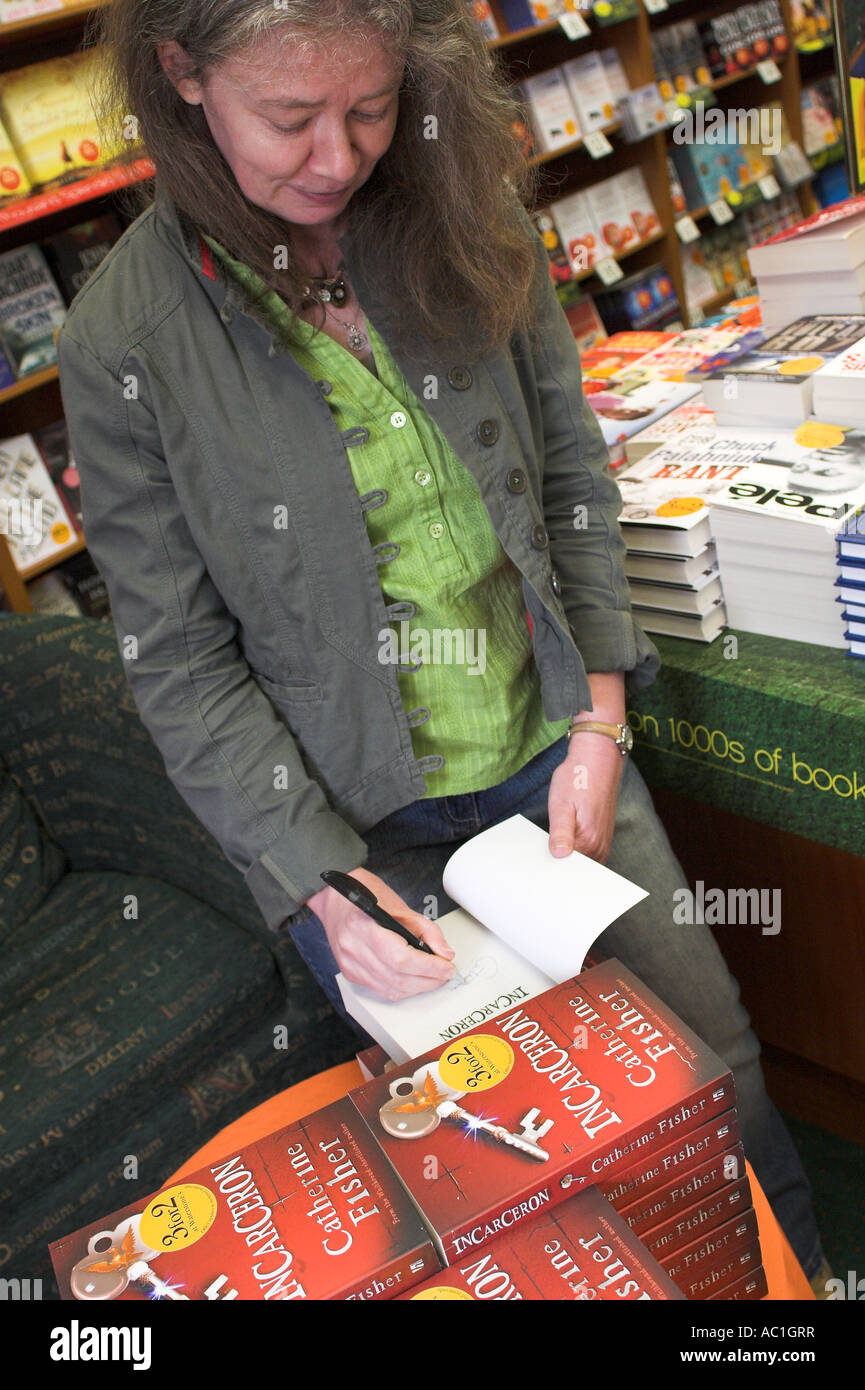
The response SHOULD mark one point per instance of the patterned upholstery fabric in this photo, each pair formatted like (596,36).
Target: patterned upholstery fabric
(143,1002)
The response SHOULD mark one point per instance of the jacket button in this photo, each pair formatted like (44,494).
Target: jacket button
(460,378)
(540,539)
(516,480)
(556,584)
(488,432)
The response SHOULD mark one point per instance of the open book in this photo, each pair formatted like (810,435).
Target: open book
(525,922)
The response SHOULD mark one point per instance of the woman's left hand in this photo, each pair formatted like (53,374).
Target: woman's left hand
(582,799)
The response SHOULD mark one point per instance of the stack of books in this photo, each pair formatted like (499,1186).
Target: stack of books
(670,561)
(851,582)
(775,383)
(524,1123)
(814,267)
(839,387)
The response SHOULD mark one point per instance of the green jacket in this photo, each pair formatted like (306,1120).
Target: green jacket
(220,510)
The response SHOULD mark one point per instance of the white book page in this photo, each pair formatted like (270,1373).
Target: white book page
(549,910)
(489,977)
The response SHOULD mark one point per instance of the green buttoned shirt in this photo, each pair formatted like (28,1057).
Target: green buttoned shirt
(458,634)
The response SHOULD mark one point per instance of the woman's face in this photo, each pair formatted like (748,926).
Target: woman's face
(301,131)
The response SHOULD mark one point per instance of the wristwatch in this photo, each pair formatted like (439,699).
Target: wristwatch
(620,732)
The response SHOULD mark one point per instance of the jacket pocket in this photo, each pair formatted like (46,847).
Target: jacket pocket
(290,691)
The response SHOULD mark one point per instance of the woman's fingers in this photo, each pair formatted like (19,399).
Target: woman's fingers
(381,961)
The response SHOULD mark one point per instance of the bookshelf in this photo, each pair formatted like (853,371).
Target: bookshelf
(627,25)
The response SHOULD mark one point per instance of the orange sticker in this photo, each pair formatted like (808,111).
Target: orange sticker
(680,506)
(799,366)
(814,434)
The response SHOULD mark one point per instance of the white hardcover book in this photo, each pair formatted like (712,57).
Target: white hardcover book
(554,120)
(590,89)
(526,921)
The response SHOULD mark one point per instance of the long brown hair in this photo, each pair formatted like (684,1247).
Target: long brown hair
(438,224)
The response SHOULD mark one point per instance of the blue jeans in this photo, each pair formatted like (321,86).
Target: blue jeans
(681,964)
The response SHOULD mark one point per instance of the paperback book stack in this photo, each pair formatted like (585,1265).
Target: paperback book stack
(814,267)
(670,561)
(594,1082)
(851,582)
(776,530)
(524,1123)
(775,383)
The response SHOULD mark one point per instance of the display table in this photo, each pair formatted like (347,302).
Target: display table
(770,729)
(783,1272)
(754,751)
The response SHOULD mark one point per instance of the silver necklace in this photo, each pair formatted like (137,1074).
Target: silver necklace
(324,290)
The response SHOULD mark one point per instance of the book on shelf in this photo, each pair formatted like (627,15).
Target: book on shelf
(580,1252)
(505,882)
(310,1211)
(52,441)
(75,253)
(775,382)
(481,12)
(48,111)
(561,269)
(589,86)
(32,515)
(584,321)
(644,300)
(31,310)
(577,229)
(617,80)
(565,1115)
(554,120)
(86,586)
(642,112)
(14,182)
(811,23)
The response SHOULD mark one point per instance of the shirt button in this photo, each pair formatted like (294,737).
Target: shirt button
(516,480)
(436,530)
(540,539)
(422,477)
(397,419)
(460,378)
(488,432)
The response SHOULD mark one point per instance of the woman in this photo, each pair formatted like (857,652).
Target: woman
(267,502)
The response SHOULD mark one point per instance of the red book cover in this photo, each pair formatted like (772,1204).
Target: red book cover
(580,1252)
(677,1197)
(671,1163)
(750,1286)
(684,1227)
(714,1279)
(572,1086)
(311,1211)
(714,1245)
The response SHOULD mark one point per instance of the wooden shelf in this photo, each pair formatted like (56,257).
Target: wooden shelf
(83,190)
(38,25)
(549,155)
(29,383)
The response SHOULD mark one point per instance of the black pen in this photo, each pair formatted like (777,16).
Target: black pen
(361,896)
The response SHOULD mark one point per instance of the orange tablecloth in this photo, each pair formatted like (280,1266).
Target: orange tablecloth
(784,1274)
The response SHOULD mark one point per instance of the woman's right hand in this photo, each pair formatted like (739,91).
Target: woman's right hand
(369,955)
